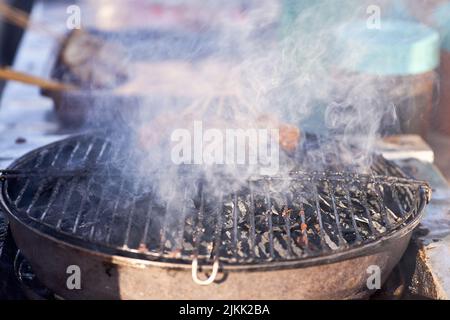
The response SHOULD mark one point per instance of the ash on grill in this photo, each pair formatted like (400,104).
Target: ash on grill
(311,215)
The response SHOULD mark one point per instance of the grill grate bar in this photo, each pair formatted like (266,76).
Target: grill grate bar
(102,151)
(52,199)
(252,222)
(86,154)
(199,225)
(97,214)
(365,204)
(148,220)
(303,229)
(332,193)
(72,154)
(67,202)
(35,198)
(41,186)
(269,219)
(403,213)
(88,185)
(383,212)
(351,208)
(286,214)
(115,157)
(218,230)
(98,208)
(319,216)
(235,226)
(80,209)
(115,207)
(180,232)
(137,187)
(167,217)
(19,197)
(58,154)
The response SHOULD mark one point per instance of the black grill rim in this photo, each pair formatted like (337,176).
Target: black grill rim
(367,248)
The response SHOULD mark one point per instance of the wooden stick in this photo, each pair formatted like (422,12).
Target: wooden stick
(8,74)
(22,20)
(14,15)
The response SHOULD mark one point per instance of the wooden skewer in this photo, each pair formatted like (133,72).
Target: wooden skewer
(14,15)
(22,20)
(8,74)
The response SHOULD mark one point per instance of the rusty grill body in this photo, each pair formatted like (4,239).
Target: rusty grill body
(303,236)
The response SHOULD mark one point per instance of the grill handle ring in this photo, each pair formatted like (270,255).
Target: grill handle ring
(210,279)
(425,196)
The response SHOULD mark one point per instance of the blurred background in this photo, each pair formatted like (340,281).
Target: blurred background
(10,35)
(305,58)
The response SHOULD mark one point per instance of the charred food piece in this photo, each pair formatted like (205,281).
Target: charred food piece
(160,128)
(94,62)
(289,135)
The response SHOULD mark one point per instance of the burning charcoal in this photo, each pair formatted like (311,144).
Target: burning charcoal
(242,207)
(226,244)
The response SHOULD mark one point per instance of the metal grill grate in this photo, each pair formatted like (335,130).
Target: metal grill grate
(268,219)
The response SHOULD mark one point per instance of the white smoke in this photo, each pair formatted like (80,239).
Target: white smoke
(262,63)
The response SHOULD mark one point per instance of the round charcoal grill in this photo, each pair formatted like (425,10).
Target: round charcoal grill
(308,235)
